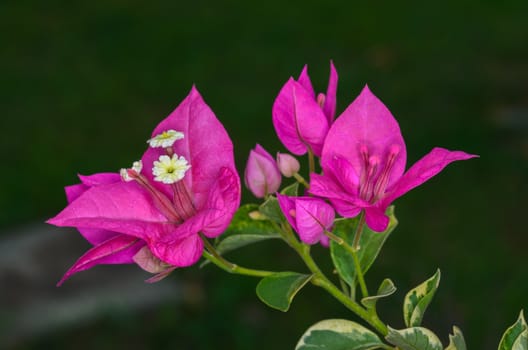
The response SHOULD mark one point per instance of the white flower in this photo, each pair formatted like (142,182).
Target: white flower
(136,167)
(170,169)
(165,139)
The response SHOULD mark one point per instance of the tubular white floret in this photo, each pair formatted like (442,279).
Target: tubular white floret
(165,139)
(136,169)
(170,170)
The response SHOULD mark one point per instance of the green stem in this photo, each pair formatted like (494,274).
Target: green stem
(359,230)
(311,161)
(212,255)
(322,281)
(361,278)
(357,265)
(319,279)
(301,180)
(344,286)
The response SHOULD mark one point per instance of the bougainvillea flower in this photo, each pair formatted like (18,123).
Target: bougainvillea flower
(310,217)
(363,162)
(301,119)
(262,176)
(152,213)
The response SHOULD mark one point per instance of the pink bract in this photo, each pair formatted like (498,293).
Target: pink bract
(120,218)
(363,162)
(308,216)
(262,176)
(301,119)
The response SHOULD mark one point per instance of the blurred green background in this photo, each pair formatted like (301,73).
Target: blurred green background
(82,84)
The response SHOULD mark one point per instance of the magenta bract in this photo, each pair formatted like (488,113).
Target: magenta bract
(363,162)
(262,176)
(308,216)
(121,217)
(301,119)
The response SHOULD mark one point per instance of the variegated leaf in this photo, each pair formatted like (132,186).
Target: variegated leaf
(456,340)
(414,338)
(516,336)
(417,300)
(385,289)
(338,334)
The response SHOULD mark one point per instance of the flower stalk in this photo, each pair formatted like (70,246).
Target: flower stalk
(319,279)
(301,180)
(213,256)
(353,251)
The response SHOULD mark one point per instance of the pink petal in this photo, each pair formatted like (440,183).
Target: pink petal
(325,241)
(376,219)
(117,250)
(287,205)
(298,119)
(304,80)
(262,175)
(206,146)
(340,168)
(346,208)
(313,217)
(92,235)
(179,252)
(148,262)
(424,169)
(122,207)
(327,187)
(366,122)
(224,196)
(158,277)
(74,191)
(100,179)
(329,106)
(96,236)
(211,220)
(347,205)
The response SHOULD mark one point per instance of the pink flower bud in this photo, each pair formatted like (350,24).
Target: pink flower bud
(288,164)
(262,175)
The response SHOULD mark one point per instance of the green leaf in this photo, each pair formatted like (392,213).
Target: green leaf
(417,300)
(516,336)
(291,190)
(456,340)
(244,230)
(237,241)
(385,289)
(271,209)
(338,335)
(415,338)
(244,222)
(370,244)
(522,342)
(279,289)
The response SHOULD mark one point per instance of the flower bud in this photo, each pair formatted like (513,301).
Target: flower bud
(288,164)
(262,175)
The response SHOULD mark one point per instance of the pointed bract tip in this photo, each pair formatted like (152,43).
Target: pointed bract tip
(366,93)
(63,279)
(194,91)
(332,67)
(366,89)
(54,221)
